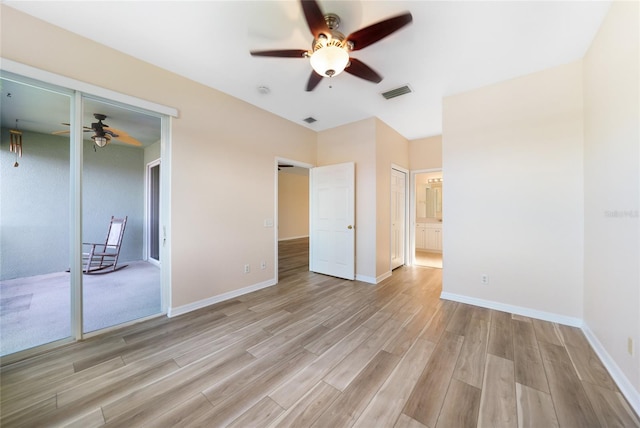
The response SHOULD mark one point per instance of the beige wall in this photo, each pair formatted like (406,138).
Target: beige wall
(293,205)
(612,184)
(374,147)
(215,229)
(391,149)
(356,142)
(550,163)
(426,153)
(512,162)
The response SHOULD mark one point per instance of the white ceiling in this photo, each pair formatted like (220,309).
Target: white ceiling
(451,46)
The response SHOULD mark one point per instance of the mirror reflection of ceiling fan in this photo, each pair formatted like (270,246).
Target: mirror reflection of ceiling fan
(330,52)
(103,133)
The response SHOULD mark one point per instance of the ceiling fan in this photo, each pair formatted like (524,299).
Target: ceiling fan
(103,133)
(329,54)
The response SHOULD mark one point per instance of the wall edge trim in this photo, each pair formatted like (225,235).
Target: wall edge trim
(293,237)
(189,307)
(624,384)
(517,310)
(384,276)
(367,279)
(31,72)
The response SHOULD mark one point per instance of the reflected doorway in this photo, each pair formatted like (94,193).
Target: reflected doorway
(114,183)
(35,289)
(153,212)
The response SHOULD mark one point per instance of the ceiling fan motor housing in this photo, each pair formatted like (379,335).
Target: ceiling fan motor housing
(334,38)
(334,49)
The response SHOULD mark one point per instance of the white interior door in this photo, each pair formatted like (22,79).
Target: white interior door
(398,185)
(332,215)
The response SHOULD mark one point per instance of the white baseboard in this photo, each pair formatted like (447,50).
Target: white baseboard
(384,276)
(518,310)
(624,384)
(292,237)
(172,312)
(364,278)
(626,387)
(372,280)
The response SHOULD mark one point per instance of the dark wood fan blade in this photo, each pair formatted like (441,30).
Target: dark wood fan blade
(314,17)
(282,53)
(363,71)
(376,32)
(314,79)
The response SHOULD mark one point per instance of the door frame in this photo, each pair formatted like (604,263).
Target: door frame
(146,231)
(78,91)
(407,236)
(276,223)
(412,211)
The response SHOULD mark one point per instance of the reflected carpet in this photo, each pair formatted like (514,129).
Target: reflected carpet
(36,310)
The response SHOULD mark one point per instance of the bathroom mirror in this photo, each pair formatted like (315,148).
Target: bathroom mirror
(421,201)
(433,199)
(429,197)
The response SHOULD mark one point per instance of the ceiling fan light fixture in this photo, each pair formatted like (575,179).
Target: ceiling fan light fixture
(329,60)
(100,141)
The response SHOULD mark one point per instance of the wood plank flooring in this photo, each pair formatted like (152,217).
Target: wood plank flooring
(317,351)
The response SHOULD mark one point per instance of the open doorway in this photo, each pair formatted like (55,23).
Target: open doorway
(429,218)
(322,206)
(113,184)
(292,217)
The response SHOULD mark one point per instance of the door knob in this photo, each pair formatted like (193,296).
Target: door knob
(349,227)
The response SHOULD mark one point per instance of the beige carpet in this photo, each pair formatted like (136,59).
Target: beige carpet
(36,310)
(429,259)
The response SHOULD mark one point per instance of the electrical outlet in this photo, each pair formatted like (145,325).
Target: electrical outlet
(484,279)
(247,268)
(263,265)
(630,346)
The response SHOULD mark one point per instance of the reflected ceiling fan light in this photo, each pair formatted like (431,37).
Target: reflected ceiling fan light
(329,60)
(100,141)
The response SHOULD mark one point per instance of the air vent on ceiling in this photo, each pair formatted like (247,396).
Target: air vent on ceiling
(397,92)
(310,119)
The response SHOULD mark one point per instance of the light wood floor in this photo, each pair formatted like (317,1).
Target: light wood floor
(428,259)
(323,352)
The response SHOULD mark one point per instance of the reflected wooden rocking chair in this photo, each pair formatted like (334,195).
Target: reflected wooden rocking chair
(103,258)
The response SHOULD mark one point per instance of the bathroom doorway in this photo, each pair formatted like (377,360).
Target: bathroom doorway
(429,220)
